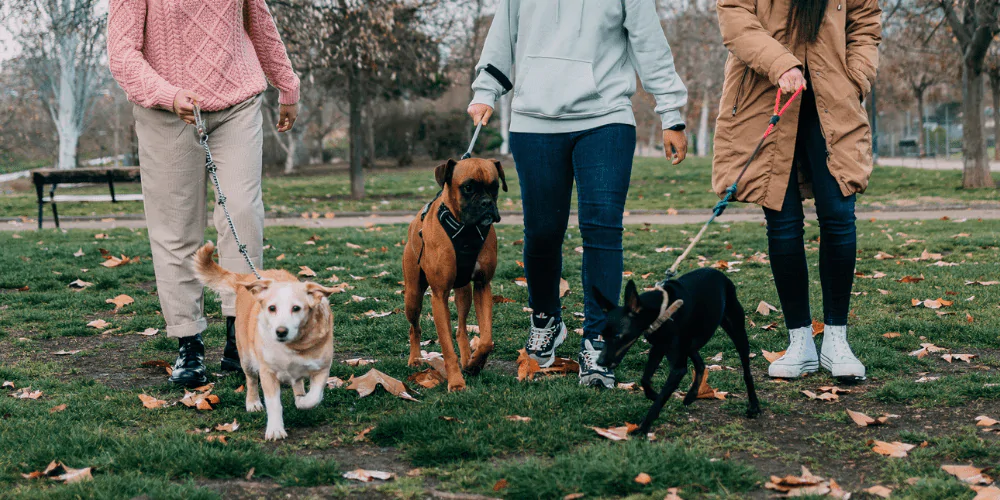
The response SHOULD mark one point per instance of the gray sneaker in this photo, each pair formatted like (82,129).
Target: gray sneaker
(543,341)
(592,374)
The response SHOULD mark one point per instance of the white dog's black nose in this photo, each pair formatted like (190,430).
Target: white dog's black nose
(281,332)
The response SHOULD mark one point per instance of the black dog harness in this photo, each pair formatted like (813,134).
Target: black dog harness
(467,240)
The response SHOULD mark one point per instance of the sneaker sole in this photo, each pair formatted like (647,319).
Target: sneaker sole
(599,381)
(807,367)
(827,365)
(545,362)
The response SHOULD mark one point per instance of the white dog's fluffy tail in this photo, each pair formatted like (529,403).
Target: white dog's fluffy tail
(210,273)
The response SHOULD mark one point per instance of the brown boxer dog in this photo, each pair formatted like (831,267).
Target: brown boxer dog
(452,246)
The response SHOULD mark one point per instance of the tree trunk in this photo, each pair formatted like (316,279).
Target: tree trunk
(703,123)
(290,152)
(976,165)
(356,135)
(369,123)
(921,134)
(995,90)
(66,119)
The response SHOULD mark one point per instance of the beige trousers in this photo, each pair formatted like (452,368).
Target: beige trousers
(175,185)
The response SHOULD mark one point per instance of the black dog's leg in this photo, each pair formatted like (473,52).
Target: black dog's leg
(678,368)
(699,374)
(656,353)
(735,327)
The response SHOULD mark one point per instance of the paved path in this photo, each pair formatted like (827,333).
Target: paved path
(659,219)
(929,163)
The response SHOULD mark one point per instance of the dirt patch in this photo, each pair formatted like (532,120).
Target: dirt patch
(254,490)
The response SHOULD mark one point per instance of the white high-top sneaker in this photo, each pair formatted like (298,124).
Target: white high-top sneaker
(799,358)
(837,355)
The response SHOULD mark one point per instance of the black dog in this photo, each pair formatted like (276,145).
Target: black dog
(678,319)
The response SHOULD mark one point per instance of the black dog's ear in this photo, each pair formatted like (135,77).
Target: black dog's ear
(606,305)
(444,171)
(632,297)
(503,178)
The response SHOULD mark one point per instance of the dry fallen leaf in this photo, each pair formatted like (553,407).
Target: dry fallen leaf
(80,284)
(826,396)
(765,309)
(522,281)
(151,402)
(771,357)
(910,279)
(57,408)
(864,420)
(968,474)
(26,393)
(563,287)
(500,299)
(149,332)
(100,324)
(925,349)
(230,427)
(361,436)
(217,438)
(428,378)
(891,335)
(526,367)
(643,478)
(367,383)
(576,496)
(707,392)
(804,484)
(894,449)
(120,302)
(79,253)
(984,421)
(961,357)
(111,261)
(359,361)
(879,491)
(66,353)
(501,484)
(518,418)
(367,476)
(616,433)
(56,471)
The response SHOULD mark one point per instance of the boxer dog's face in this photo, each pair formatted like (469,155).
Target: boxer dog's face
(473,186)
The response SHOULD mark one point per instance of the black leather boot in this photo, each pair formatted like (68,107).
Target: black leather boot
(231,356)
(189,369)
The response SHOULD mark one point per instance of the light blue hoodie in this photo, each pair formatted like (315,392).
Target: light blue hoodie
(576,62)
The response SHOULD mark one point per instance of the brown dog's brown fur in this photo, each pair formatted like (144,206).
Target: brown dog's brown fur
(439,266)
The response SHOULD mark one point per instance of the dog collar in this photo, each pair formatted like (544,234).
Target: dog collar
(667,310)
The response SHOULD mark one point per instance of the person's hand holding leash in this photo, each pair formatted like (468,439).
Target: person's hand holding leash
(287,113)
(184,103)
(480,113)
(792,80)
(675,145)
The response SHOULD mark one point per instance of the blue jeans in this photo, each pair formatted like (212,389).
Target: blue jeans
(838,236)
(600,161)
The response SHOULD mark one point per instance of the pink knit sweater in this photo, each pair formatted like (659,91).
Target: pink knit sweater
(158,47)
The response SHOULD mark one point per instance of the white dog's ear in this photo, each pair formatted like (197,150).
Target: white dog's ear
(257,286)
(319,292)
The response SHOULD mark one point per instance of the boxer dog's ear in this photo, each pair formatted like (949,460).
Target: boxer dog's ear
(444,171)
(503,178)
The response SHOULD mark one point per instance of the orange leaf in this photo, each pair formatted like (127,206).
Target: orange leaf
(151,402)
(120,302)
(643,478)
(501,484)
(771,357)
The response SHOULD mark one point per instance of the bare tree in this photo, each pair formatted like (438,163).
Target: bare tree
(63,39)
(993,71)
(974,23)
(376,48)
(920,56)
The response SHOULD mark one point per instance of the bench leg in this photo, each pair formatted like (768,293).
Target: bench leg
(111,187)
(40,192)
(52,200)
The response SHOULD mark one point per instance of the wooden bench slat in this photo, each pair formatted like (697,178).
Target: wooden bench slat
(91,175)
(94,197)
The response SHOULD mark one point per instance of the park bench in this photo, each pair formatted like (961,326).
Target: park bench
(97,175)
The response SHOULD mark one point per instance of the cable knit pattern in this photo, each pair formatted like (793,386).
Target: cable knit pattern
(158,47)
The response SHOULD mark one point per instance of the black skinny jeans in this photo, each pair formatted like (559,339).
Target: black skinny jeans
(838,236)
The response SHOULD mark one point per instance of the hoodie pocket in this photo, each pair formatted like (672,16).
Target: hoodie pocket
(554,87)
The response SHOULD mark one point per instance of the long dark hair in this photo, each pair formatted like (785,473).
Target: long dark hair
(805,18)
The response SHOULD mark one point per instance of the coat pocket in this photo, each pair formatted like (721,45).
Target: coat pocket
(554,87)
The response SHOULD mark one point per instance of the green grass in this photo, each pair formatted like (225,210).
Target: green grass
(709,450)
(656,185)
